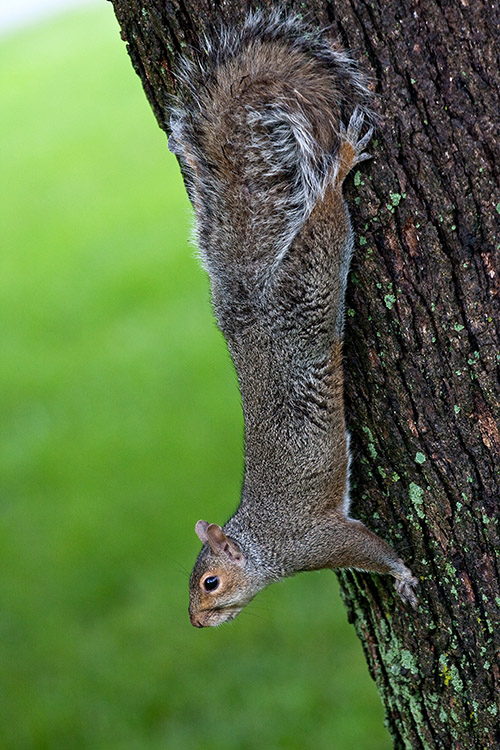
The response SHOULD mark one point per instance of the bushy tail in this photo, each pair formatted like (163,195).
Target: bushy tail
(256,125)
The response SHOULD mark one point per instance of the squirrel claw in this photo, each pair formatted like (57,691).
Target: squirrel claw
(363,157)
(405,589)
(355,127)
(364,140)
(351,146)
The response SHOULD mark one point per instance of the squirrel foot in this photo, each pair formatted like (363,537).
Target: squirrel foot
(405,588)
(351,146)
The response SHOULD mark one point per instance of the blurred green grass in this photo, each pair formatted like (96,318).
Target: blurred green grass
(120,427)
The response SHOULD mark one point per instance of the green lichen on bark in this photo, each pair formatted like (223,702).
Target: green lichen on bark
(422,385)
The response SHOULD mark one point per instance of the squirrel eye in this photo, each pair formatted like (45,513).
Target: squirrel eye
(211,583)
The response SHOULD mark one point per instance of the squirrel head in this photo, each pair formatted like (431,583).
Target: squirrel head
(222,582)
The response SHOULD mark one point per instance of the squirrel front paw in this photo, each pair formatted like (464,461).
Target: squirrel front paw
(405,588)
(351,145)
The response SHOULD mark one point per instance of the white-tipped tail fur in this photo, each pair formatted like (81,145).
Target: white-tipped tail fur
(276,91)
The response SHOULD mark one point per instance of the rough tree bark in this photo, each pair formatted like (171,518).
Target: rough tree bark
(422,355)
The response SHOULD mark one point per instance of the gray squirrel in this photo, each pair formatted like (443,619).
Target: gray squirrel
(257,126)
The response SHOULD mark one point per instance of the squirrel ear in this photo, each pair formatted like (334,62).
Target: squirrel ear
(201,531)
(222,544)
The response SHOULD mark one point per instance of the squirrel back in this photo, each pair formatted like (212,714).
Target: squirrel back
(258,128)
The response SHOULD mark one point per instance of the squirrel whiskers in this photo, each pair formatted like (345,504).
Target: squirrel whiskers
(258,128)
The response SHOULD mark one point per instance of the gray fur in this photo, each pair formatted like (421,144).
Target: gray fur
(258,129)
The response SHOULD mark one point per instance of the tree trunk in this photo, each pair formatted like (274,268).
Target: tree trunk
(422,355)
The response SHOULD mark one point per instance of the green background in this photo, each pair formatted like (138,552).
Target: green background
(120,427)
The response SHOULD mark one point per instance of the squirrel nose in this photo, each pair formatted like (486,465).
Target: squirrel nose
(195,621)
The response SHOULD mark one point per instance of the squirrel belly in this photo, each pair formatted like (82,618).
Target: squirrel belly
(258,129)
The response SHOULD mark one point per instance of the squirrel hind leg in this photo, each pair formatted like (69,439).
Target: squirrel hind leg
(351,145)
